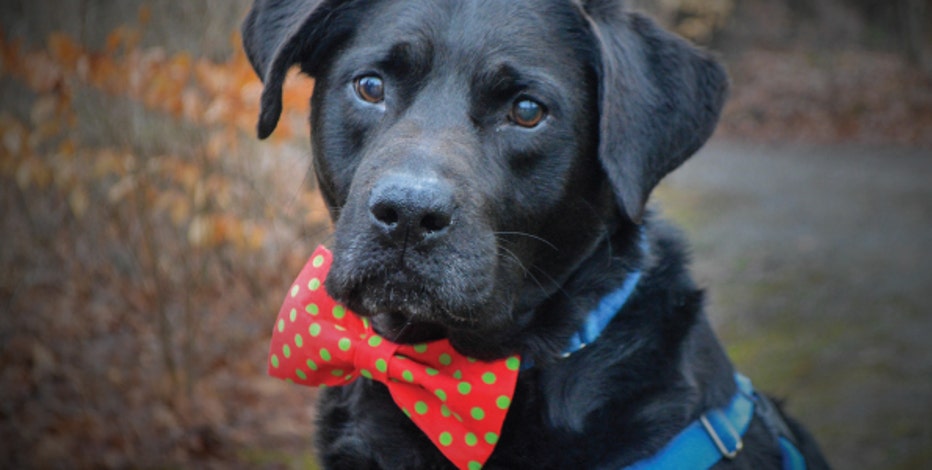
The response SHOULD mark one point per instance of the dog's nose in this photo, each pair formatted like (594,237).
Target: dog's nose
(410,208)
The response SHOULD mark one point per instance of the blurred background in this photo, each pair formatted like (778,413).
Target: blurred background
(147,238)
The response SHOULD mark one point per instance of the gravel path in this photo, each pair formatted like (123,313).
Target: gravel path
(818,263)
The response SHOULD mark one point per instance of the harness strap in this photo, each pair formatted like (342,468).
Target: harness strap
(717,435)
(771,417)
(792,458)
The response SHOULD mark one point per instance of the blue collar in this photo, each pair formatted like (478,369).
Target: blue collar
(717,435)
(608,307)
(600,316)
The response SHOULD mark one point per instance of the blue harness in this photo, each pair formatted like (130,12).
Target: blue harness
(716,435)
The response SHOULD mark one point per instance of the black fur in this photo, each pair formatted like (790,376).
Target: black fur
(451,220)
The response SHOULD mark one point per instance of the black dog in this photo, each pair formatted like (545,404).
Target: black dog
(487,165)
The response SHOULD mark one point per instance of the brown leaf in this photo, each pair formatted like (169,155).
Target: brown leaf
(79,201)
(64,49)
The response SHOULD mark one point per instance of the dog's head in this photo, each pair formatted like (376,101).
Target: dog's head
(474,152)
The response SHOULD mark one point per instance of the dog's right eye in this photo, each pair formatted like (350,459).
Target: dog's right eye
(370,89)
(527,113)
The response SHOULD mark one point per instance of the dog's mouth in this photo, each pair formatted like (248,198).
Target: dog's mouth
(459,301)
(400,328)
(402,314)
(404,304)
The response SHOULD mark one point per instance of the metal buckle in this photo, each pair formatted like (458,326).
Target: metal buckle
(723,422)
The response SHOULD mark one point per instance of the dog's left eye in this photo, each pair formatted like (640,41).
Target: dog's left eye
(527,113)
(370,88)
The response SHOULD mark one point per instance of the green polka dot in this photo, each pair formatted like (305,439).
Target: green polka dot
(431,371)
(313,284)
(281,325)
(365,323)
(292,315)
(286,350)
(381,365)
(489,378)
(406,412)
(325,355)
(336,372)
(312,309)
(375,341)
(298,340)
(477,413)
(471,360)
(458,417)
(473,465)
(311,364)
(274,361)
(445,359)
(314,329)
(365,373)
(420,408)
(446,439)
(294,290)
(339,312)
(420,348)
(513,363)
(503,402)
(344,344)
(300,373)
(407,375)
(471,439)
(441,395)
(318,261)
(445,411)
(491,438)
(464,388)
(458,374)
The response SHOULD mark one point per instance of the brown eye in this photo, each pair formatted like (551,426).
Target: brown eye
(370,88)
(527,113)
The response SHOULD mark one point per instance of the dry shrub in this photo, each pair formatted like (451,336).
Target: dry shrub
(145,251)
(840,95)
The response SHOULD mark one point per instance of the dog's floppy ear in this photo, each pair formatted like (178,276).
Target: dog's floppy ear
(280,33)
(660,99)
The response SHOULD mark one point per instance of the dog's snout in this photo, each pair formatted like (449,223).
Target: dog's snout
(411,208)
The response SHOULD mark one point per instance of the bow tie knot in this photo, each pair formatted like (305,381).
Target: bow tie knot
(459,402)
(373,357)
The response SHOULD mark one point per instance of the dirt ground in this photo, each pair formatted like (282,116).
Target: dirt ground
(817,261)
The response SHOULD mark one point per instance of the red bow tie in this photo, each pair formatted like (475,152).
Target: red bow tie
(459,402)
